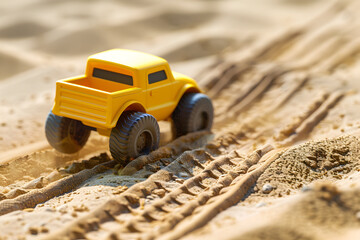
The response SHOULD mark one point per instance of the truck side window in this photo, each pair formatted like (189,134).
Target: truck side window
(157,76)
(113,76)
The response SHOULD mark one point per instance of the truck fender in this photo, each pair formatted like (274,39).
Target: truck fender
(131,105)
(187,88)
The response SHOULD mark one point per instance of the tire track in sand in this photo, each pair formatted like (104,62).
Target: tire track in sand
(181,194)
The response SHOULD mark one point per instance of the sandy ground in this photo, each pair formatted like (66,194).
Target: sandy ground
(282,161)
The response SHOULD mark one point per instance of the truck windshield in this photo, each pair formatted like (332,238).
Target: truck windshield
(113,76)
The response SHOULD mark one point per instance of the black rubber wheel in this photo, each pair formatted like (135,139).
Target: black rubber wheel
(135,134)
(64,134)
(194,112)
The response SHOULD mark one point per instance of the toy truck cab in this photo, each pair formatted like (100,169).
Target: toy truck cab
(121,87)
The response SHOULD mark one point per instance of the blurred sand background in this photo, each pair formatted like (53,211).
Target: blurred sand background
(313,44)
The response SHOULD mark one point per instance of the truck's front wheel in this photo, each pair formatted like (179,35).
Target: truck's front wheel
(135,134)
(194,112)
(64,134)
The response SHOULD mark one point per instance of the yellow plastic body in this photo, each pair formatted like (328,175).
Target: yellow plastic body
(99,103)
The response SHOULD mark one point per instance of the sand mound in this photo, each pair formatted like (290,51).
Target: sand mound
(324,206)
(22,29)
(11,65)
(301,165)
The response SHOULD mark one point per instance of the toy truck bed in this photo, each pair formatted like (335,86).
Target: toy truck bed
(91,100)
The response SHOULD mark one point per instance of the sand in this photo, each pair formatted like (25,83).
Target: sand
(281,162)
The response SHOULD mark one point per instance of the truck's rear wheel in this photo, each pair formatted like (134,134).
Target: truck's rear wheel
(194,112)
(64,134)
(135,134)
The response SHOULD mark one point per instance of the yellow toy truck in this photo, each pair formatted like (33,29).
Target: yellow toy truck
(122,95)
